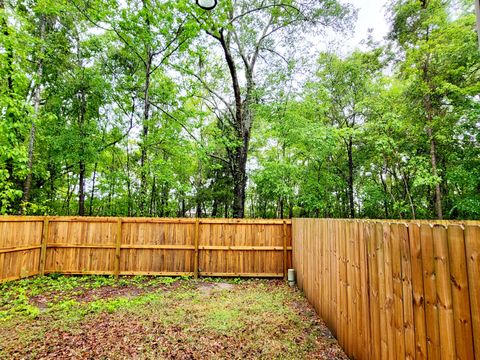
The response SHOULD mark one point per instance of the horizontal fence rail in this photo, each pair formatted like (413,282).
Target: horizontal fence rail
(393,290)
(144,246)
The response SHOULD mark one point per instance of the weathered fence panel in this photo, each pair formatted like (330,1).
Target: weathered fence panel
(144,246)
(393,290)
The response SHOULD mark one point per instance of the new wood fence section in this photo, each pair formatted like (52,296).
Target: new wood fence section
(392,290)
(144,246)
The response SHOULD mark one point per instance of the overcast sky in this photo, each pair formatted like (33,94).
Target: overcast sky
(371,14)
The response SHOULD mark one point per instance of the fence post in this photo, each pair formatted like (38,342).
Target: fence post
(195,259)
(117,248)
(285,257)
(43,247)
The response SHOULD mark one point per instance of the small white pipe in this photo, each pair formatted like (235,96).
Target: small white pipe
(291,277)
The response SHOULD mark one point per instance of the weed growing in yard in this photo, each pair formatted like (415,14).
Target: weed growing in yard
(59,293)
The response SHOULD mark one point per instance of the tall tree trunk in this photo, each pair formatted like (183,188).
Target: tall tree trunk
(409,196)
(81,188)
(428,108)
(182,207)
(214,208)
(36,105)
(198,210)
(350,178)
(129,183)
(144,145)
(242,125)
(280,205)
(152,207)
(92,192)
(433,159)
(240,181)
(146,117)
(385,192)
(81,164)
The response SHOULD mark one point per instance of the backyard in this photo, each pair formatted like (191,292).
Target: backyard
(60,316)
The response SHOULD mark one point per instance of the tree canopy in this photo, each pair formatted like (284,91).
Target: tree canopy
(161,108)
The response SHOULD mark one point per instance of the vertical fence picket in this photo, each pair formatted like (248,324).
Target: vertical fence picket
(472,247)
(459,285)
(429,283)
(419,313)
(397,287)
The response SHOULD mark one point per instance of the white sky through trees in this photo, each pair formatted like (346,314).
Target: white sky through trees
(371,14)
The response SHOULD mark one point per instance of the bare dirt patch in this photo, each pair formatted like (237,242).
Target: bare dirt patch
(209,288)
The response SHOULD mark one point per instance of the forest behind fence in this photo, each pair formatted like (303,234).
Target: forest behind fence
(143,246)
(393,290)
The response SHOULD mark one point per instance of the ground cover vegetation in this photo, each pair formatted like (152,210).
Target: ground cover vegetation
(172,318)
(159,108)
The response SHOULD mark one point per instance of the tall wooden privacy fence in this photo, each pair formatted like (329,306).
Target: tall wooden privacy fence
(143,246)
(393,290)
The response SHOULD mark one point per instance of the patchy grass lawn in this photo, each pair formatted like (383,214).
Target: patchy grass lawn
(163,318)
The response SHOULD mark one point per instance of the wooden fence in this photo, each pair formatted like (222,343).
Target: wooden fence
(144,246)
(392,290)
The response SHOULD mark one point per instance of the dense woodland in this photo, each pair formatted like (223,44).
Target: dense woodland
(160,108)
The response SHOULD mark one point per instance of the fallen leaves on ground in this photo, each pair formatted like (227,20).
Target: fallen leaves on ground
(191,320)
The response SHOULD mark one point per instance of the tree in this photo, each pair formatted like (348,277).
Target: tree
(433,57)
(342,87)
(249,32)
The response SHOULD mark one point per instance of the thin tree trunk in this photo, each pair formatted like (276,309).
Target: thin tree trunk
(69,194)
(198,210)
(146,117)
(36,105)
(28,181)
(81,189)
(410,200)
(92,193)
(152,198)
(350,177)
(385,202)
(129,185)
(81,164)
(433,159)
(182,207)
(214,208)
(428,108)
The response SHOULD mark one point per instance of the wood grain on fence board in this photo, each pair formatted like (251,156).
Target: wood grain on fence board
(393,289)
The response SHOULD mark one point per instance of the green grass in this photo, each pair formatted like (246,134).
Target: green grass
(163,317)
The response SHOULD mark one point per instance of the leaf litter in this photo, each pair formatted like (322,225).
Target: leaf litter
(184,319)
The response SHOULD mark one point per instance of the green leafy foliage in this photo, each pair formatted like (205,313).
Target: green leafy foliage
(136,114)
